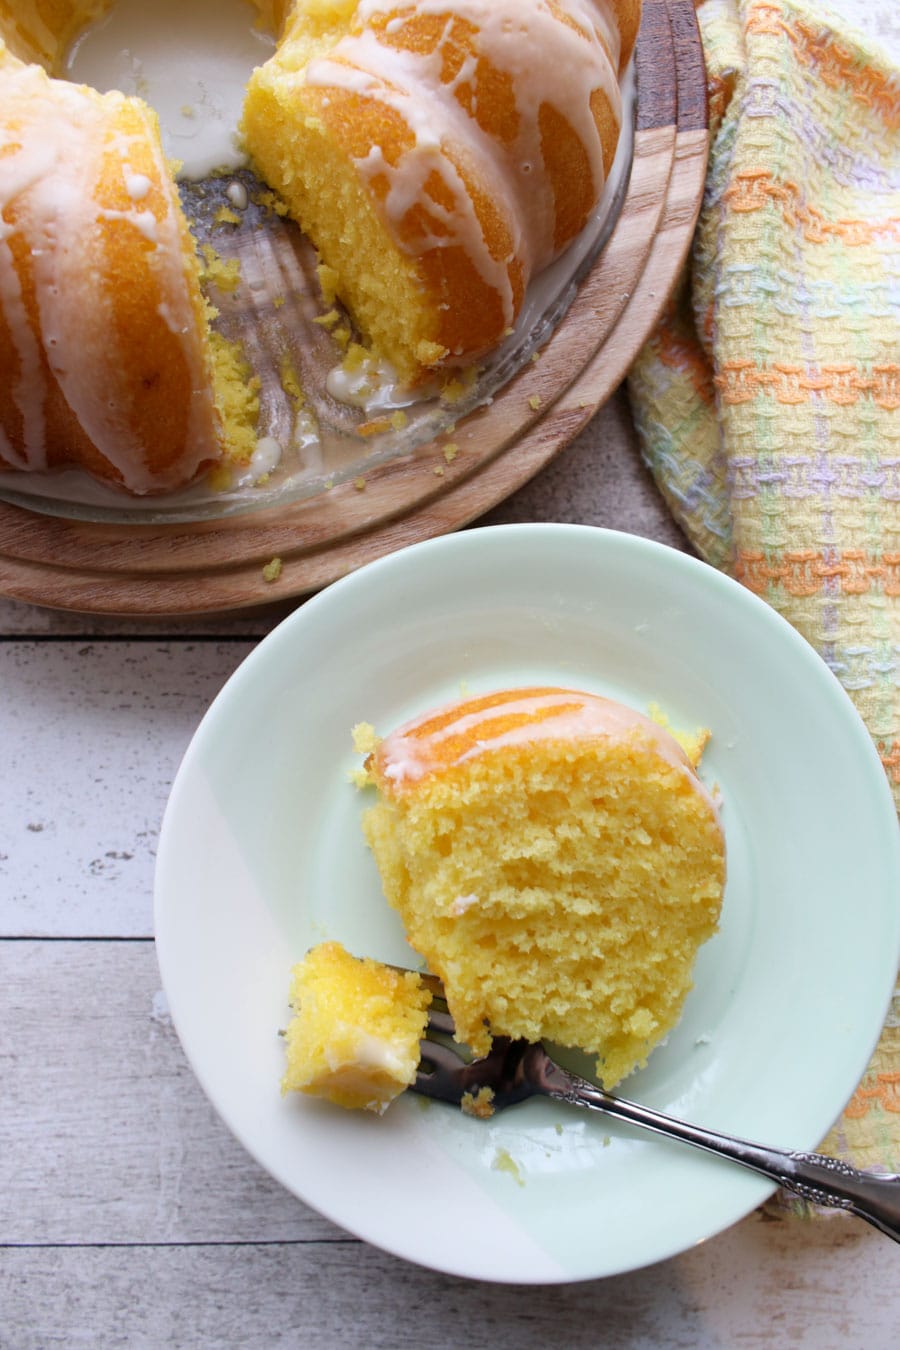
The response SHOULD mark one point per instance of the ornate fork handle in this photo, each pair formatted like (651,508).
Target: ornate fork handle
(819,1179)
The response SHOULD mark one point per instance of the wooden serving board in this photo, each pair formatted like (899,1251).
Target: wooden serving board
(218,565)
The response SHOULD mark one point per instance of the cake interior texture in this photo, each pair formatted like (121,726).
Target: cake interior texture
(560,888)
(437,157)
(354,1036)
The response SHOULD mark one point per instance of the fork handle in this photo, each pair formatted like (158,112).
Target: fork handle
(813,1176)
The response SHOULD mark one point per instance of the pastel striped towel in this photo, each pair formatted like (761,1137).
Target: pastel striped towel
(768,400)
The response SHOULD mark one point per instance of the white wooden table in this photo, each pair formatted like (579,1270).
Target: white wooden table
(128,1215)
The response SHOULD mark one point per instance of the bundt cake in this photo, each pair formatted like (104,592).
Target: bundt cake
(439,153)
(354,1038)
(558,863)
(106,356)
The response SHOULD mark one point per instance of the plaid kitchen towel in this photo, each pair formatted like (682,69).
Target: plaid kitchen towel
(768,400)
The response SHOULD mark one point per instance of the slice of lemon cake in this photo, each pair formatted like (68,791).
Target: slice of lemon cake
(557,861)
(354,1038)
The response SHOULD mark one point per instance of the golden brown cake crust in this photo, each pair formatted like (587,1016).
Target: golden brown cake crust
(449,123)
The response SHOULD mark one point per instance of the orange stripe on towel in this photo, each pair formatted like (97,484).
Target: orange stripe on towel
(838,382)
(804,572)
(755,189)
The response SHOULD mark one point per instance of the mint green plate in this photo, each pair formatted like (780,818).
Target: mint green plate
(261,856)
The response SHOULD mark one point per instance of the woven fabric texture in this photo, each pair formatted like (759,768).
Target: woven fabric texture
(768,399)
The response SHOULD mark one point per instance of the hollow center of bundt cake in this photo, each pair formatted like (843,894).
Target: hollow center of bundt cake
(190,59)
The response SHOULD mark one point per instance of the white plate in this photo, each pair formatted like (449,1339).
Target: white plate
(261,855)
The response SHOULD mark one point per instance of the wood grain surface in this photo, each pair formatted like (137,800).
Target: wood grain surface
(218,565)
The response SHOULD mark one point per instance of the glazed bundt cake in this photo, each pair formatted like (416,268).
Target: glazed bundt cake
(107,360)
(439,153)
(354,1036)
(558,863)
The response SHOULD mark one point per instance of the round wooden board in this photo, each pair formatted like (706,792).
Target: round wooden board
(218,565)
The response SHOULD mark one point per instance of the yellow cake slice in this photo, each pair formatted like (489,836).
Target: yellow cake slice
(558,863)
(354,1037)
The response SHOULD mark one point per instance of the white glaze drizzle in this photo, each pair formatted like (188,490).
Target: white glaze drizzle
(410,83)
(61,132)
(403,757)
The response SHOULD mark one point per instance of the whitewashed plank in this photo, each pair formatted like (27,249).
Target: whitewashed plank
(758,1286)
(92,735)
(105,1134)
(18,619)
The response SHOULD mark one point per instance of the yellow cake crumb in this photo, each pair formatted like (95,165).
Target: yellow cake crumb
(237,402)
(693,743)
(479,1103)
(359,484)
(224,275)
(503,1161)
(272,570)
(438,471)
(364,738)
(354,1037)
(225,216)
(327,320)
(376,426)
(290,380)
(535,402)
(450,452)
(271,202)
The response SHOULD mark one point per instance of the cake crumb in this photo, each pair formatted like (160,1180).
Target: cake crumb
(272,570)
(359,484)
(225,276)
(374,427)
(364,738)
(693,743)
(451,450)
(479,1104)
(269,201)
(290,380)
(327,320)
(438,470)
(505,1162)
(225,216)
(535,402)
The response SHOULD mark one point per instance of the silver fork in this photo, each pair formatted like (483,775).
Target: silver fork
(515,1070)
